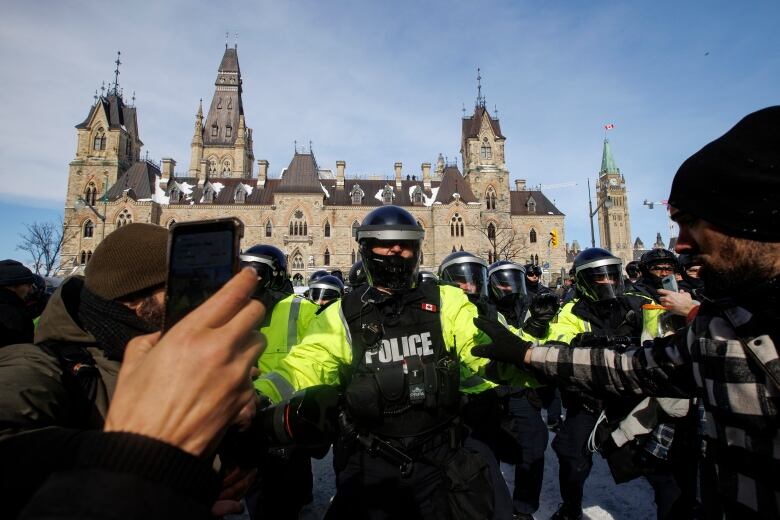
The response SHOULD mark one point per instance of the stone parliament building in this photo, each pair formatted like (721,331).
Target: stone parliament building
(310,212)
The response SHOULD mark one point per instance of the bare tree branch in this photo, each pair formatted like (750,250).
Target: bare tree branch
(42,241)
(503,240)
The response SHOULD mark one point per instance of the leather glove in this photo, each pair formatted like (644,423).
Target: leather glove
(506,346)
(543,309)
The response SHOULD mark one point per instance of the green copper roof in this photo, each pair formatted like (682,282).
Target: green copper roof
(607,162)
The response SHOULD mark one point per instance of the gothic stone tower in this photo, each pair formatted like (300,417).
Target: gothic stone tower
(614,221)
(222,146)
(108,144)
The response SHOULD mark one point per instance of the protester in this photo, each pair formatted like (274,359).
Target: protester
(16,324)
(174,398)
(728,356)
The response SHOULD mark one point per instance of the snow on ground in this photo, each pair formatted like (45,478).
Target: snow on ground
(603,499)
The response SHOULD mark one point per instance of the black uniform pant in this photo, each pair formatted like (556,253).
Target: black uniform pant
(282,488)
(573,456)
(530,433)
(371,487)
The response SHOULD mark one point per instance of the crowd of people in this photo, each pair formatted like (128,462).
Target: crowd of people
(420,383)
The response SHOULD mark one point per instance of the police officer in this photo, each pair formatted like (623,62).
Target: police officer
(469,272)
(325,290)
(508,292)
(533,283)
(654,266)
(401,352)
(282,472)
(633,273)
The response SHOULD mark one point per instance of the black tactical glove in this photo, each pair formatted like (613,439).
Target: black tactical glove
(506,346)
(543,309)
(309,418)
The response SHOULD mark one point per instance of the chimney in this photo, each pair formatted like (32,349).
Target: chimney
(166,174)
(398,168)
(520,184)
(340,166)
(262,173)
(426,175)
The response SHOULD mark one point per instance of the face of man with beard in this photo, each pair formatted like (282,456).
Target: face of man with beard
(729,264)
(151,308)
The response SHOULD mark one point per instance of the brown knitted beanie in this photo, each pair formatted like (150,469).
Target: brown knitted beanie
(131,259)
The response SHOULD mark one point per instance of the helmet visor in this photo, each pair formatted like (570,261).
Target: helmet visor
(471,277)
(321,296)
(506,282)
(601,283)
(266,275)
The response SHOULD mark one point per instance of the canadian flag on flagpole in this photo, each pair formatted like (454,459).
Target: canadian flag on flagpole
(609,126)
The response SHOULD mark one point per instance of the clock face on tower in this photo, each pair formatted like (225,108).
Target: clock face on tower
(613,182)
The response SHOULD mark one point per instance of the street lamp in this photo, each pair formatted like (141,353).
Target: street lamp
(607,203)
(81,204)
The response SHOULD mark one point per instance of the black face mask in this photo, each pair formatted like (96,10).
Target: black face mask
(392,272)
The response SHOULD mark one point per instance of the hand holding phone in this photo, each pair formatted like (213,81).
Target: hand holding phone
(669,283)
(202,257)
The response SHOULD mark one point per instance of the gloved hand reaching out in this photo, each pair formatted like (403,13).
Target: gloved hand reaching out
(543,309)
(506,346)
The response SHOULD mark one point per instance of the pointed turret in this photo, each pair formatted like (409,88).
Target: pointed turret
(196,145)
(607,161)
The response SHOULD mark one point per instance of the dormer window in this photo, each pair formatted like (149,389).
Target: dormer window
(485,152)
(228,131)
(387,195)
(214,131)
(240,194)
(124,218)
(226,168)
(531,205)
(99,142)
(208,194)
(417,196)
(175,195)
(356,194)
(212,167)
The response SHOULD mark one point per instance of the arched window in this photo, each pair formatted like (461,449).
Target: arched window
(491,231)
(124,218)
(100,140)
(226,167)
(268,229)
(353,256)
(297,280)
(83,258)
(213,165)
(240,195)
(485,152)
(536,259)
(175,195)
(89,229)
(531,205)
(326,257)
(456,226)
(171,223)
(355,226)
(298,225)
(89,256)
(208,194)
(532,236)
(90,194)
(356,194)
(326,231)
(490,198)
(387,195)
(297,262)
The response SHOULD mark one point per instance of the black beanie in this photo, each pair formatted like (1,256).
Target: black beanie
(131,259)
(14,273)
(734,182)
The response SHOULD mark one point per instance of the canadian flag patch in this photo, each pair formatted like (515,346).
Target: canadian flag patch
(429,307)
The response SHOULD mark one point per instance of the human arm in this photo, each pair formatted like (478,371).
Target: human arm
(680,303)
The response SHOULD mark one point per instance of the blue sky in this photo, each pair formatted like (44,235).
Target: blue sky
(373,83)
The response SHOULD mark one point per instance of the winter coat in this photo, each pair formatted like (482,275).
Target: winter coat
(16,325)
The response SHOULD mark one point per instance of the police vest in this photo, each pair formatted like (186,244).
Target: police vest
(403,382)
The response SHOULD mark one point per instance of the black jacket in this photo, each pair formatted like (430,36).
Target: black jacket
(16,325)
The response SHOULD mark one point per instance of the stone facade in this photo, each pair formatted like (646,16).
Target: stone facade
(309,213)
(614,218)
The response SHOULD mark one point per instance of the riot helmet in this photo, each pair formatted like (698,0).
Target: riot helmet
(467,270)
(506,281)
(357,275)
(532,270)
(598,275)
(270,264)
(390,243)
(632,270)
(325,289)
(427,275)
(657,263)
(316,275)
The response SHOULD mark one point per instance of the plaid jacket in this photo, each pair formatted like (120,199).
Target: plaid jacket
(727,359)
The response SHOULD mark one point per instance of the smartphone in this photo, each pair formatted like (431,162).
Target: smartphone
(202,257)
(669,283)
